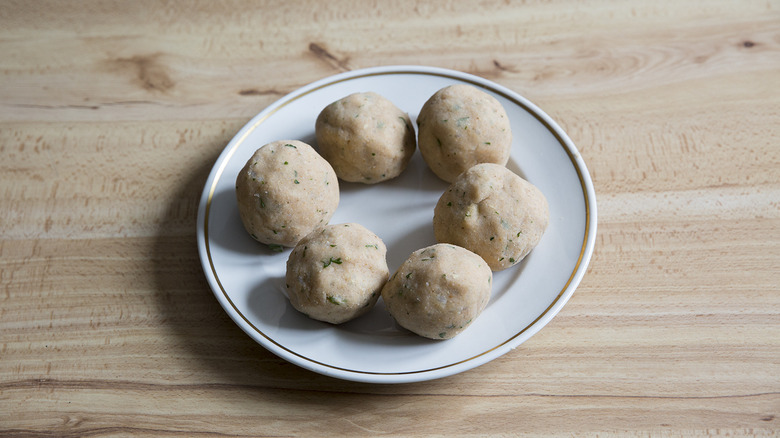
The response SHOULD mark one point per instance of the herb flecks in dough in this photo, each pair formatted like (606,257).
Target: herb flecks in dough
(336,300)
(326,263)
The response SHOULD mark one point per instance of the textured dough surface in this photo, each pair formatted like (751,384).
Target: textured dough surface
(438,291)
(285,191)
(336,274)
(365,137)
(460,126)
(492,212)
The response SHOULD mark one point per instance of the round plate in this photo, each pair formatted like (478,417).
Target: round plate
(248,278)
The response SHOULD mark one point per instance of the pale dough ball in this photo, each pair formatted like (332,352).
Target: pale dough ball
(493,212)
(285,191)
(460,126)
(438,291)
(365,137)
(336,274)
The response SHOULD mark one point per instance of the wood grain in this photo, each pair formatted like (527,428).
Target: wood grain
(112,114)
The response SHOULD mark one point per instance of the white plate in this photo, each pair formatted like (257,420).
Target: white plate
(248,279)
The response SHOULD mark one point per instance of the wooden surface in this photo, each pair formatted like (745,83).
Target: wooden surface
(112,114)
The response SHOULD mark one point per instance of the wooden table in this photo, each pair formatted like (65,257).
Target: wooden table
(112,114)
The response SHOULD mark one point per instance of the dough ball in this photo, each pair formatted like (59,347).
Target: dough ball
(493,212)
(438,291)
(285,191)
(460,126)
(365,138)
(336,274)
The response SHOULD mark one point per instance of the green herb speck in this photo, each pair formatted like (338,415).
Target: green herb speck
(276,248)
(291,145)
(326,263)
(336,300)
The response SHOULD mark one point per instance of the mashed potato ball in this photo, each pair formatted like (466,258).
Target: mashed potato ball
(285,191)
(460,126)
(336,274)
(365,137)
(492,212)
(438,291)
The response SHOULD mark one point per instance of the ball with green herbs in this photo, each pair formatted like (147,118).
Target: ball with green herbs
(460,126)
(337,273)
(284,192)
(438,291)
(493,212)
(365,137)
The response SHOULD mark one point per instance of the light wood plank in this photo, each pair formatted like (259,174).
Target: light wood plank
(112,114)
